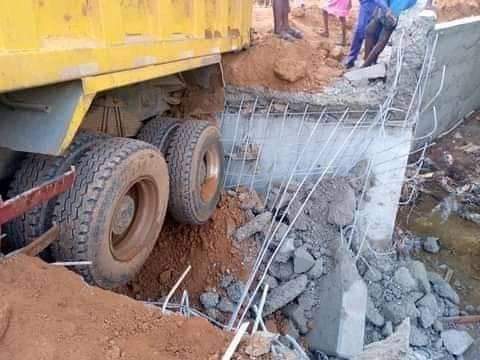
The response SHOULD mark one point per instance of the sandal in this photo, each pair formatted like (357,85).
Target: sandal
(295,33)
(285,35)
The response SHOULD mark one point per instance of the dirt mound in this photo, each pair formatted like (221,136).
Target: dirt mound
(456,9)
(255,66)
(207,248)
(49,313)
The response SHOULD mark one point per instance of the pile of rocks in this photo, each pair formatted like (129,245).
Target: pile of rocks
(400,289)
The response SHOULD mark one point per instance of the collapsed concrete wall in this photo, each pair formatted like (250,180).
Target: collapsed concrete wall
(264,150)
(458,86)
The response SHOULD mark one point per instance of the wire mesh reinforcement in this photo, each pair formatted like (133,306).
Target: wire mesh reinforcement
(269,144)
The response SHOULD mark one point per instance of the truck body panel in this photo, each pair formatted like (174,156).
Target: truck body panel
(49,41)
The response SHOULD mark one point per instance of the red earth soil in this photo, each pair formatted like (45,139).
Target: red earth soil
(49,313)
(255,66)
(207,248)
(455,9)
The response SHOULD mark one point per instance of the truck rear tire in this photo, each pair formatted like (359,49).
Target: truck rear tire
(114,212)
(35,170)
(159,132)
(196,163)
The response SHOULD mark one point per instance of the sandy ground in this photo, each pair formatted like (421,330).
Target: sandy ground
(207,248)
(321,56)
(455,9)
(49,313)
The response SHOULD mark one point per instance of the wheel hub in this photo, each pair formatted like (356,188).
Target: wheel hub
(209,174)
(124,215)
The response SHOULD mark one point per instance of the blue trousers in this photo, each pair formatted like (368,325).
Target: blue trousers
(367,8)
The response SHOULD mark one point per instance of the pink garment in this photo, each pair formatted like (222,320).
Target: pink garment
(339,8)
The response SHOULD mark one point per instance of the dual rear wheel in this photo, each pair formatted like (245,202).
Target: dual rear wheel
(114,212)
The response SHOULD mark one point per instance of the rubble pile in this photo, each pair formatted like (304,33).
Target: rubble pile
(401,289)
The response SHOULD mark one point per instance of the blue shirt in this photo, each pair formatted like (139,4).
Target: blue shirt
(397,6)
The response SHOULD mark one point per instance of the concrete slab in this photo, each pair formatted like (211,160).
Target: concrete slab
(372,72)
(344,306)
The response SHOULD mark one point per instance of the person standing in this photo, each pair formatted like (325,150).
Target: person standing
(367,10)
(340,9)
(281,9)
(381,28)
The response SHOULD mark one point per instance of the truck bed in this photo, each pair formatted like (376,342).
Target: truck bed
(51,41)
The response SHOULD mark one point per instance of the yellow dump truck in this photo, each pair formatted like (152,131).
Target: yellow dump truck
(87,83)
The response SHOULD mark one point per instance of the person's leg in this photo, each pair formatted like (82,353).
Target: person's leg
(379,46)
(364,17)
(374,27)
(326,32)
(277,16)
(343,22)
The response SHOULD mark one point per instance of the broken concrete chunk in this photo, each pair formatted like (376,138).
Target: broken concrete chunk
(456,342)
(394,347)
(443,288)
(418,337)
(235,291)
(286,250)
(473,352)
(282,271)
(429,302)
(297,314)
(372,72)
(226,281)
(289,69)
(431,245)
(259,344)
(341,210)
(343,307)
(403,278)
(214,314)
(395,311)
(257,224)
(388,329)
(225,305)
(373,315)
(302,261)
(427,318)
(284,294)
(419,273)
(209,299)
(375,291)
(270,281)
(317,270)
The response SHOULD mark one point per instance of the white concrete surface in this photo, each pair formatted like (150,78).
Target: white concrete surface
(458,49)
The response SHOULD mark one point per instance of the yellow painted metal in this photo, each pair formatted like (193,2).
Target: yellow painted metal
(94,84)
(49,41)
(81,109)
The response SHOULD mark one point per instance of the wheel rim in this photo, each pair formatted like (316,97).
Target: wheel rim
(209,172)
(133,217)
